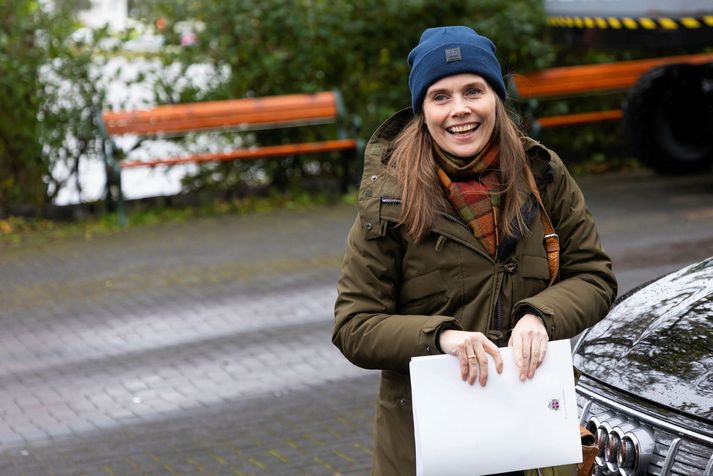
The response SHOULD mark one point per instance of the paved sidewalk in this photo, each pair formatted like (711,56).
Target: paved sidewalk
(196,348)
(204,348)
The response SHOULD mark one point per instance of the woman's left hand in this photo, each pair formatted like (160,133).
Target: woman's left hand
(529,342)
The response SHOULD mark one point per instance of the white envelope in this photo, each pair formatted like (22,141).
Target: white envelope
(507,425)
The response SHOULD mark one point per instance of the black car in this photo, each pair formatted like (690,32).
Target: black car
(646,383)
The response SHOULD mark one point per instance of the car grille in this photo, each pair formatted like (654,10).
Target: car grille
(672,449)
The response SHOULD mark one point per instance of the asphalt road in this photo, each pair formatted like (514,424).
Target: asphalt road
(651,225)
(204,347)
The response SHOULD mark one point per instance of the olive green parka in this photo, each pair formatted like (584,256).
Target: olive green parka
(394,294)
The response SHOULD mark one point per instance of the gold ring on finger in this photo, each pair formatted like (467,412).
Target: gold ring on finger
(471,357)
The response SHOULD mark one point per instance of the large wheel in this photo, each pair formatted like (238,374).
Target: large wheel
(668,118)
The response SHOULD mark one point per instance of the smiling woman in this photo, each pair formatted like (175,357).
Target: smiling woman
(460,113)
(447,254)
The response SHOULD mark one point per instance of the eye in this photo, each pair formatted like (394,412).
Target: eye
(474,91)
(439,97)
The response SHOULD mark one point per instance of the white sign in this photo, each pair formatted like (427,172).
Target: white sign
(507,425)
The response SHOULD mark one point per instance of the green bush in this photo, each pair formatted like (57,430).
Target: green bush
(47,96)
(21,163)
(291,46)
(269,47)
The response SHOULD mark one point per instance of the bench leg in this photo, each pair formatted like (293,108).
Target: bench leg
(347,156)
(120,208)
(345,172)
(114,196)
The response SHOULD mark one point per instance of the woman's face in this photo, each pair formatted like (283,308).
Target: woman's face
(460,113)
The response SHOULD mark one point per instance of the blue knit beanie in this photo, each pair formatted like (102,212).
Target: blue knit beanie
(449,50)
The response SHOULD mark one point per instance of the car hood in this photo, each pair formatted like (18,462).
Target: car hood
(658,342)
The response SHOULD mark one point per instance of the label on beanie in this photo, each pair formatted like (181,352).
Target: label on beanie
(453,54)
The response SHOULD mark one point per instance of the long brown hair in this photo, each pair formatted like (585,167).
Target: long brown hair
(422,195)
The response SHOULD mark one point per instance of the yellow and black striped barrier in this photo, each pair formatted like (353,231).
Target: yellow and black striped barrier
(630,23)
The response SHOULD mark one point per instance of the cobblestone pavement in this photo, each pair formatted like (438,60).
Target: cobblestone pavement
(200,348)
(204,347)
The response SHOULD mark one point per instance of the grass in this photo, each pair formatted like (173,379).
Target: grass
(19,231)
(602,163)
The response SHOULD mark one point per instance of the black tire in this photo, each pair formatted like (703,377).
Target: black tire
(668,118)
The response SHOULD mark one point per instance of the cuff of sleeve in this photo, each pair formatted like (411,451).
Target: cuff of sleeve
(443,327)
(527,309)
(547,319)
(429,335)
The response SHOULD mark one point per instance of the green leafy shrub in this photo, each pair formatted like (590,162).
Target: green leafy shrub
(268,47)
(287,46)
(47,97)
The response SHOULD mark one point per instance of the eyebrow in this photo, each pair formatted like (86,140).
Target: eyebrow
(477,82)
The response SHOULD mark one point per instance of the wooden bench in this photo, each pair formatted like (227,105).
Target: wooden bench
(572,81)
(272,112)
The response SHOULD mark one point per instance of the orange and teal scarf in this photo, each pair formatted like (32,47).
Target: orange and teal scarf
(473,186)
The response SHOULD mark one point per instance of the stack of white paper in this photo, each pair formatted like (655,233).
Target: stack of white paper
(505,426)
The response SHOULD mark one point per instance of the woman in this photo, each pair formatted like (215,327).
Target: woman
(447,253)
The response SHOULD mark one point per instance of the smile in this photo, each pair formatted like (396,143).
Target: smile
(463,128)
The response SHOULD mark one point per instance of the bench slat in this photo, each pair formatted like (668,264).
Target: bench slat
(596,77)
(236,121)
(236,113)
(252,153)
(580,118)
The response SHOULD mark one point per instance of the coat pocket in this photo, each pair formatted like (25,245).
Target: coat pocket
(534,272)
(423,294)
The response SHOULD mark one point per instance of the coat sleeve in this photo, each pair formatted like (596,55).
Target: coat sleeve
(587,286)
(368,329)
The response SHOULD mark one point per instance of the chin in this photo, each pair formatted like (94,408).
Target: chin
(464,152)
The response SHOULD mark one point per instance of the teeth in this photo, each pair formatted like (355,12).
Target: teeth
(463,128)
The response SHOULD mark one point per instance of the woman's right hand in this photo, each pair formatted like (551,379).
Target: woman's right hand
(472,349)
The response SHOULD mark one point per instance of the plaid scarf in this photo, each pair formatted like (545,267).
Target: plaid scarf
(473,187)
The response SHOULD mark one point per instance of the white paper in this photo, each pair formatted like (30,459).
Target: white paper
(507,425)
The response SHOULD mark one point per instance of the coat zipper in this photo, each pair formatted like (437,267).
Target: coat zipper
(499,315)
(447,216)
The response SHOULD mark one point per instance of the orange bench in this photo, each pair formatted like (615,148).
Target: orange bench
(571,81)
(238,115)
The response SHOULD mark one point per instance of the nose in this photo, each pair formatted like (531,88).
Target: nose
(460,106)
